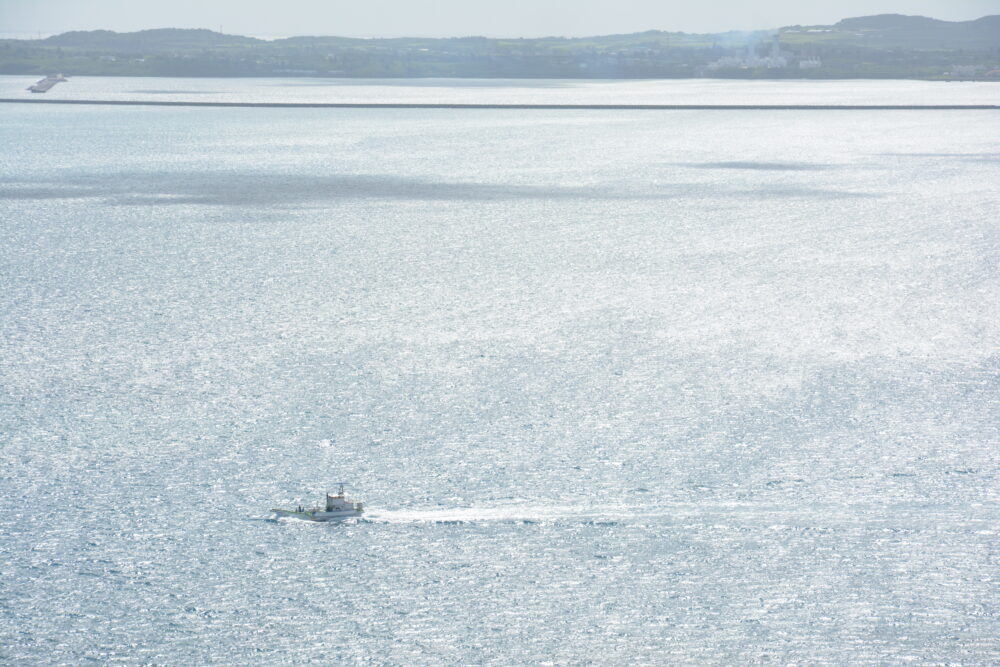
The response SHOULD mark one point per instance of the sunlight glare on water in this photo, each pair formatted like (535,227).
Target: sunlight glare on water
(644,387)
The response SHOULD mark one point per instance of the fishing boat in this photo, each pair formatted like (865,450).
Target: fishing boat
(338,506)
(43,85)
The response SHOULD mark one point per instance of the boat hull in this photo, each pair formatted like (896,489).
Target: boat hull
(321,516)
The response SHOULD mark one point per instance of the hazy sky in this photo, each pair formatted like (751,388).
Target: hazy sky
(442,18)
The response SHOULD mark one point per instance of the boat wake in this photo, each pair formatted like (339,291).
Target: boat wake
(526,514)
(718,514)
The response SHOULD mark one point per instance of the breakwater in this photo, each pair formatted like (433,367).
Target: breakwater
(542,107)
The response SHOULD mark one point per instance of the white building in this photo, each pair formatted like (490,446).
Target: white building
(774,60)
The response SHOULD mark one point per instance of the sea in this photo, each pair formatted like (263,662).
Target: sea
(672,387)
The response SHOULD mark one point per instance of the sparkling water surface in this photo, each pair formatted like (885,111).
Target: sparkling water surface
(646,387)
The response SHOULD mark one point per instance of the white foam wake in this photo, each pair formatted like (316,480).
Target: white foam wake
(504,514)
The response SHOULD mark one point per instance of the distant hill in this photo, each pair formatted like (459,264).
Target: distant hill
(906,22)
(923,32)
(160,39)
(893,22)
(880,46)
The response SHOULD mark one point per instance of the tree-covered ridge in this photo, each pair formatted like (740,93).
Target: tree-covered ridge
(914,30)
(888,45)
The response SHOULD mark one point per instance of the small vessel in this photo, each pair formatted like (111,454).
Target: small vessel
(43,85)
(337,507)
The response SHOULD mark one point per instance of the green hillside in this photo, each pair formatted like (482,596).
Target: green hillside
(889,45)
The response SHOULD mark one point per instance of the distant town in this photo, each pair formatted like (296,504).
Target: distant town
(883,46)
